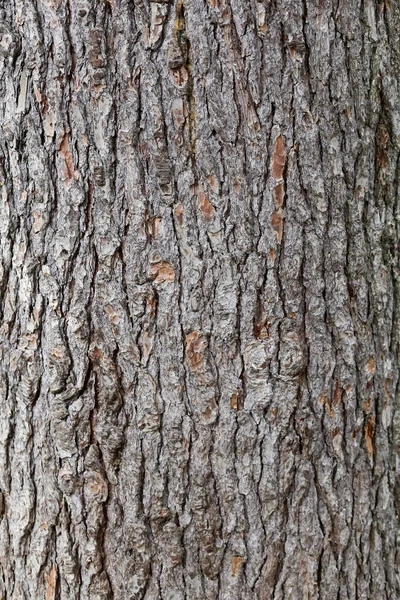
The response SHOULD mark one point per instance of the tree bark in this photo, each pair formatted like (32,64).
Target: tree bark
(199,299)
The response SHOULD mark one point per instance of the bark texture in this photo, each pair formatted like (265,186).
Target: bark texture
(199,278)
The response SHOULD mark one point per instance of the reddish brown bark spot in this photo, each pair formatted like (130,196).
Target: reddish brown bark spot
(195,348)
(153,226)
(236,401)
(112,314)
(207,413)
(261,328)
(367,405)
(383,138)
(57,353)
(324,401)
(236,564)
(51,579)
(371,365)
(219,4)
(151,306)
(278,158)
(272,254)
(96,354)
(369,436)
(279,194)
(162,271)
(337,394)
(205,205)
(213,183)
(69,172)
(180,76)
(277,224)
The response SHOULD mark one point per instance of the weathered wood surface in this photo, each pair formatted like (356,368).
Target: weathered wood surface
(199,237)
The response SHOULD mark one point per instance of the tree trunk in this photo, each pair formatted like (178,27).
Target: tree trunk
(200,311)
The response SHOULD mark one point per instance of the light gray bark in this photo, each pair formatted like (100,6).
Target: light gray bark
(199,237)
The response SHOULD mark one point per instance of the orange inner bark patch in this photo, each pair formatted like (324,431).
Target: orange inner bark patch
(337,394)
(236,564)
(371,365)
(162,271)
(279,194)
(277,224)
(51,579)
(324,401)
(69,171)
(272,254)
(278,159)
(369,435)
(180,76)
(236,185)
(205,205)
(195,347)
(179,214)
(236,401)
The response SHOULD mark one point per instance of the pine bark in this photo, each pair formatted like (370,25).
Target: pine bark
(200,299)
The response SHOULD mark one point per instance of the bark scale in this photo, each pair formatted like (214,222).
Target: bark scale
(199,299)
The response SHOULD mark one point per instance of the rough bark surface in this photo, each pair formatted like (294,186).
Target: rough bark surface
(199,280)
